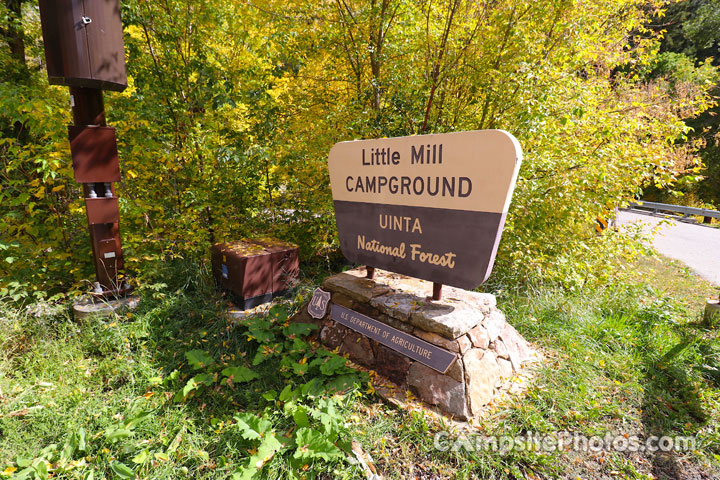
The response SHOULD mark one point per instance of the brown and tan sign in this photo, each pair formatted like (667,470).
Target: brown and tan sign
(430,206)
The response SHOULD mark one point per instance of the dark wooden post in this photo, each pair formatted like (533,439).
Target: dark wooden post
(100,198)
(437,291)
(370,272)
(84,50)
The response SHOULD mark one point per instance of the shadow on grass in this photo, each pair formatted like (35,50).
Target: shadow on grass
(157,392)
(672,405)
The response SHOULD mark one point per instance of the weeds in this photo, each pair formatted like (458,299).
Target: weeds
(178,389)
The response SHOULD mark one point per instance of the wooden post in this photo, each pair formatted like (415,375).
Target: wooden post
(84,50)
(89,110)
(370,272)
(437,291)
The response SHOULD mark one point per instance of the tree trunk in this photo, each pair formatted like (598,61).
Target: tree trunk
(15,37)
(14,33)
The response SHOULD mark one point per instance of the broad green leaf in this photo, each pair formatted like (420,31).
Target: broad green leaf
(132,420)
(299,368)
(342,382)
(41,469)
(259,358)
(329,417)
(161,456)
(300,328)
(141,457)
(287,393)
(301,418)
(333,365)
(69,447)
(239,374)
(312,444)
(82,442)
(251,426)
(312,388)
(266,450)
(121,470)
(270,395)
(196,382)
(269,445)
(245,473)
(262,335)
(198,359)
(118,434)
(278,312)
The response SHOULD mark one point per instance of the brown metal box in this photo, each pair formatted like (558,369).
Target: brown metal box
(255,270)
(102,210)
(94,154)
(109,258)
(107,252)
(285,260)
(84,43)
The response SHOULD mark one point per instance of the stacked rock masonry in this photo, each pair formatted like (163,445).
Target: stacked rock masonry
(486,347)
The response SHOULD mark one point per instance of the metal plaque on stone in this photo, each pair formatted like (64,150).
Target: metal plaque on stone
(317,308)
(410,346)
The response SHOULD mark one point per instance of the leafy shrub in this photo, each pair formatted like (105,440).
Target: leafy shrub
(226,124)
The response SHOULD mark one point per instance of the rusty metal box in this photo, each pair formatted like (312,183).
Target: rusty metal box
(94,154)
(84,43)
(107,252)
(255,270)
(285,260)
(102,210)
(108,255)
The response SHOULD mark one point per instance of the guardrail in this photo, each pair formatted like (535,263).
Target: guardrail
(707,214)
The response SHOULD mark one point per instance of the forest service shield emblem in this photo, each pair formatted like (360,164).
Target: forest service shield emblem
(319,303)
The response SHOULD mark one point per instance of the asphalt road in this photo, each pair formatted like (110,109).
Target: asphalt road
(696,246)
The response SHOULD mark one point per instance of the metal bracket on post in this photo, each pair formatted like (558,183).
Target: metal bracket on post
(437,291)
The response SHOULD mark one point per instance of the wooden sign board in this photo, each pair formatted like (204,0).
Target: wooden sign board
(430,206)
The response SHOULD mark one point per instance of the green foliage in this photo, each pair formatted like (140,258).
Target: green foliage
(198,359)
(693,28)
(679,69)
(315,415)
(703,27)
(232,108)
(144,394)
(690,50)
(103,398)
(239,374)
(41,212)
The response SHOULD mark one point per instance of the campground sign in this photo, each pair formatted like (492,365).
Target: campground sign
(430,206)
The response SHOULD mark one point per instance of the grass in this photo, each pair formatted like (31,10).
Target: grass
(91,397)
(671,278)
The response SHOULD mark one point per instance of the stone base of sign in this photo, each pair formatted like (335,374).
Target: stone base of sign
(93,307)
(487,348)
(712,312)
